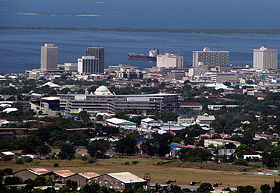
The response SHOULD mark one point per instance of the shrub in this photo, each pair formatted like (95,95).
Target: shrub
(126,163)
(134,162)
(84,158)
(92,160)
(19,161)
(56,165)
(240,162)
(28,160)
(6,158)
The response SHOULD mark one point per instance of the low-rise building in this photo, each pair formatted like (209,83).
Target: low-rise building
(64,175)
(106,102)
(218,107)
(191,106)
(205,119)
(31,173)
(148,123)
(185,120)
(83,178)
(122,123)
(120,181)
(219,142)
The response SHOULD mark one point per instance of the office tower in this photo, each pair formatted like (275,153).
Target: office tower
(265,58)
(210,58)
(168,60)
(49,57)
(98,52)
(88,65)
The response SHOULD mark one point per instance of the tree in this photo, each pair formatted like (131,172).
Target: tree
(268,160)
(89,188)
(12,180)
(126,145)
(245,189)
(175,189)
(265,188)
(98,148)
(73,185)
(6,171)
(44,150)
(64,189)
(204,188)
(276,187)
(83,115)
(195,155)
(240,162)
(99,118)
(242,150)
(77,139)
(121,114)
(67,151)
(29,144)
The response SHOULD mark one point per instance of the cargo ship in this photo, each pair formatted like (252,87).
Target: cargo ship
(152,56)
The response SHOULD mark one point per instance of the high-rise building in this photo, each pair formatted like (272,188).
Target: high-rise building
(210,58)
(265,58)
(88,65)
(49,57)
(168,60)
(98,52)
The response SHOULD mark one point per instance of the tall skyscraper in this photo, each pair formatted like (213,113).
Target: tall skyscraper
(88,65)
(98,52)
(265,58)
(168,60)
(49,57)
(210,58)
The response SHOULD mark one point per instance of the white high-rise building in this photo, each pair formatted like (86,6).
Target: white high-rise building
(49,57)
(210,58)
(89,65)
(168,60)
(265,58)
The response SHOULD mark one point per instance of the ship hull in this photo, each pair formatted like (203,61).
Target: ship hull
(140,57)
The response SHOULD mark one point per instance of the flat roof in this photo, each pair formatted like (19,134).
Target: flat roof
(118,121)
(126,177)
(139,95)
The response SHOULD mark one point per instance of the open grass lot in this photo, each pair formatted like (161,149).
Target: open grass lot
(158,173)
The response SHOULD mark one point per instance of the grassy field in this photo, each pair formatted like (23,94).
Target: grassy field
(158,173)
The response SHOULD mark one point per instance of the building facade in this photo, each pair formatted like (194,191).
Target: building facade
(93,103)
(98,53)
(88,65)
(265,58)
(49,57)
(210,58)
(120,181)
(168,60)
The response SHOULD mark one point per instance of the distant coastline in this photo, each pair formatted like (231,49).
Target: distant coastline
(124,29)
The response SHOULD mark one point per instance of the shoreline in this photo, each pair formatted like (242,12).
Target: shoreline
(152,30)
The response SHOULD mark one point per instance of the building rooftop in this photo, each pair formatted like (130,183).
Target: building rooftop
(147,120)
(126,177)
(118,121)
(38,171)
(64,173)
(102,90)
(89,175)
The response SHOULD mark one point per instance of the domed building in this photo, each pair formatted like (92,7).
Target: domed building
(102,90)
